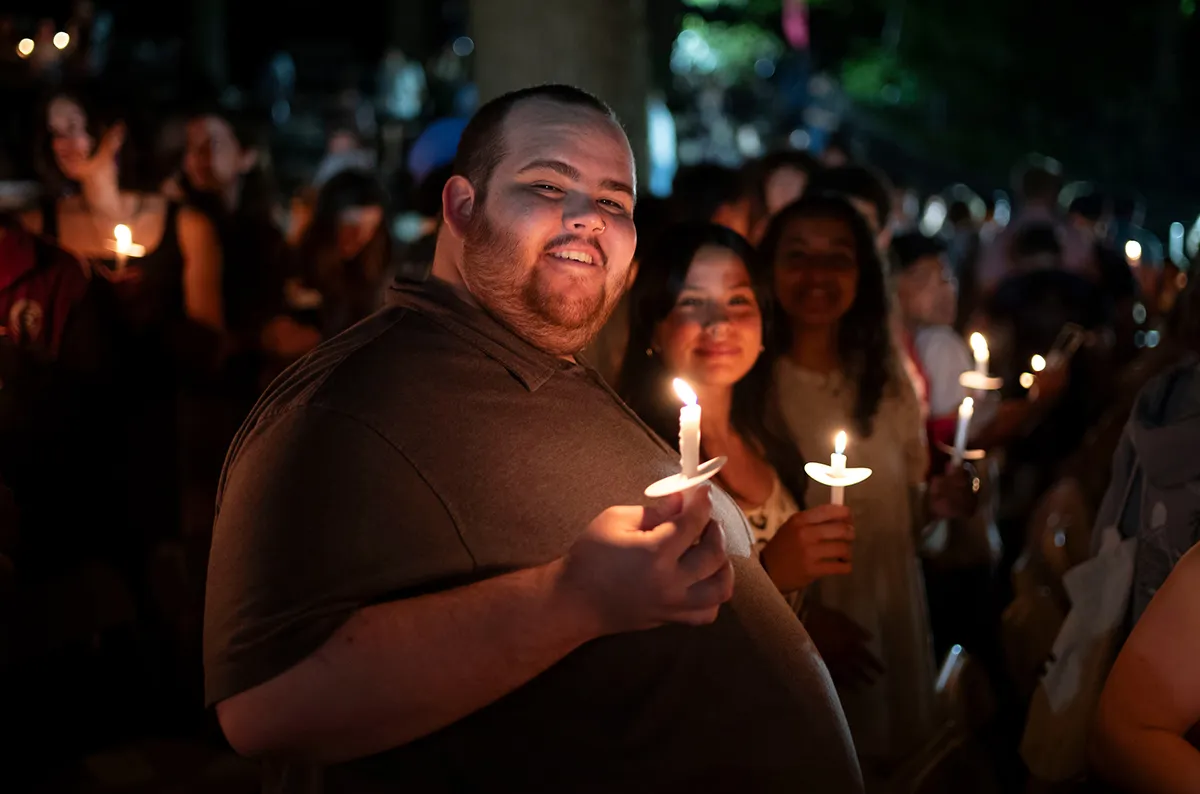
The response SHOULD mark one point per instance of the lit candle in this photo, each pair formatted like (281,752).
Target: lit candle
(980,348)
(689,429)
(837,468)
(965,412)
(1037,363)
(124,238)
(1133,252)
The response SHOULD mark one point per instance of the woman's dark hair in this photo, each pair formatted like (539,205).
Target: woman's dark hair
(643,380)
(864,338)
(357,280)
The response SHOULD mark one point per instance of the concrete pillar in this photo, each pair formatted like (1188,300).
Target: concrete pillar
(597,45)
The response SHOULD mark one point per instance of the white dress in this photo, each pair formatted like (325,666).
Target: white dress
(885,592)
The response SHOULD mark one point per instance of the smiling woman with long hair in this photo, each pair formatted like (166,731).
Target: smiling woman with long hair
(838,370)
(700,308)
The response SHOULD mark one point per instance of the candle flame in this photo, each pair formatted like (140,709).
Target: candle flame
(978,343)
(123,236)
(839,443)
(1037,363)
(1133,250)
(968,402)
(1027,380)
(684,391)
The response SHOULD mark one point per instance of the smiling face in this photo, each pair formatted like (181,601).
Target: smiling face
(548,245)
(713,335)
(70,140)
(816,270)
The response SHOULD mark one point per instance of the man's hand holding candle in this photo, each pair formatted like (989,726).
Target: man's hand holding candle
(636,568)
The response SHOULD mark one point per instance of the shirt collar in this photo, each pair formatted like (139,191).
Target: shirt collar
(439,301)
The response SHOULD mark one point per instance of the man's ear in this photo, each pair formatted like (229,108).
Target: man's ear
(458,204)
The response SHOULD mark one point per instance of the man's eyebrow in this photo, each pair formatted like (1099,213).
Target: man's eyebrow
(557,166)
(571,172)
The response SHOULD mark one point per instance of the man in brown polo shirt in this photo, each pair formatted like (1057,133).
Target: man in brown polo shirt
(417,581)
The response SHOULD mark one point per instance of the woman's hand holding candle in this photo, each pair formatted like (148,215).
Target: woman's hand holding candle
(811,544)
(979,348)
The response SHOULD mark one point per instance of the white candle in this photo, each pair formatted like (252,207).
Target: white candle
(965,412)
(689,429)
(837,465)
(124,238)
(980,348)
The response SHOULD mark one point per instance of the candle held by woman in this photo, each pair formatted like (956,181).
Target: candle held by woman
(837,465)
(979,347)
(124,238)
(965,412)
(689,428)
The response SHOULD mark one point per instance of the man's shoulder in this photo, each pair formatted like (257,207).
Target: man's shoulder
(378,362)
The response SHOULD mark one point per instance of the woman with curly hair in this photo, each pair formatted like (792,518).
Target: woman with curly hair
(837,369)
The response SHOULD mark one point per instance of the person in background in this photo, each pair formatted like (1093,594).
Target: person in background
(1146,738)
(225,172)
(80,156)
(783,177)
(1128,215)
(716,194)
(867,189)
(166,309)
(838,371)
(1039,183)
(346,251)
(701,306)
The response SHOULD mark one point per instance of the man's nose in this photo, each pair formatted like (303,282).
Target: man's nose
(582,216)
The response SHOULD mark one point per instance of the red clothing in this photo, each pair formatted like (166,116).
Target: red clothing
(40,284)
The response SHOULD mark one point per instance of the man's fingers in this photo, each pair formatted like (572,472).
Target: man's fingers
(828,530)
(662,511)
(706,557)
(689,524)
(711,592)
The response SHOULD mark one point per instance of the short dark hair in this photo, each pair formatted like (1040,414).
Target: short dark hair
(910,247)
(482,144)
(856,181)
(699,190)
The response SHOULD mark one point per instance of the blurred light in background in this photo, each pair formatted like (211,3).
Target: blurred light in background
(764,68)
(800,139)
(25,48)
(663,155)
(62,40)
(748,141)
(1191,243)
(934,216)
(1153,338)
(1003,212)
(1139,313)
(1133,251)
(1175,245)
(1026,380)
(1037,363)
(463,46)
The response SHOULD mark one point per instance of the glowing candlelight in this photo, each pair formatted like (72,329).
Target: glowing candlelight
(1037,363)
(980,348)
(965,412)
(1133,252)
(689,428)
(836,475)
(124,247)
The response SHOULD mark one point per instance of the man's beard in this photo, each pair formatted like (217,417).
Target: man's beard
(519,298)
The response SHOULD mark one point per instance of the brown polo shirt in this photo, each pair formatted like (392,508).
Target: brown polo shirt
(429,447)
